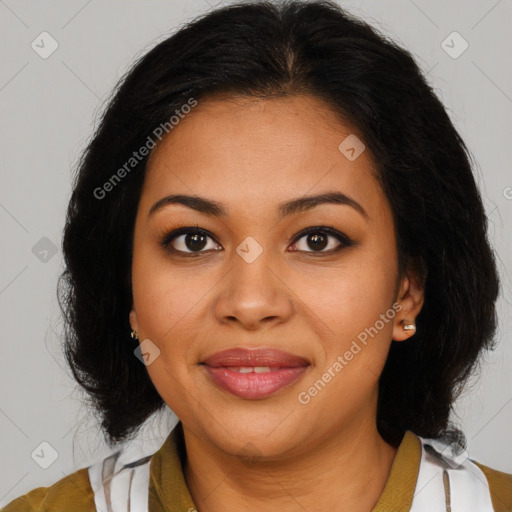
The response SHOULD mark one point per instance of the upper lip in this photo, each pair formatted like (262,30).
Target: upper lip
(255,357)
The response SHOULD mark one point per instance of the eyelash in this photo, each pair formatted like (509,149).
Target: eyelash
(344,240)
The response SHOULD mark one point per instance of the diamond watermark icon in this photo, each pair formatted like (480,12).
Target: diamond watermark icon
(44,455)
(454,45)
(455,455)
(147,352)
(249,249)
(44,45)
(351,147)
(248,454)
(44,250)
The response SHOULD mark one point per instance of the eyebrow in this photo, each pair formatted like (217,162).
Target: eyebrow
(300,204)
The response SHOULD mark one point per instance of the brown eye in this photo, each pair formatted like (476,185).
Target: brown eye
(317,239)
(194,241)
(189,241)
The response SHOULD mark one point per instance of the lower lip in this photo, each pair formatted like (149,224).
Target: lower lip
(254,385)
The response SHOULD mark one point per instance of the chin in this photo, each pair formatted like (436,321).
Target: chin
(257,434)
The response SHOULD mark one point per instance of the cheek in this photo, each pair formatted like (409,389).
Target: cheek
(350,296)
(354,336)
(166,302)
(344,305)
(165,298)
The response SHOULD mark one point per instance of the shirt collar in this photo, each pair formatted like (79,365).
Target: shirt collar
(168,491)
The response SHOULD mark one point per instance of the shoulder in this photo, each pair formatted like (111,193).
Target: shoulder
(500,486)
(468,484)
(121,477)
(72,492)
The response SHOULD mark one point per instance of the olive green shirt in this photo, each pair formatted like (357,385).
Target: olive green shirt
(168,491)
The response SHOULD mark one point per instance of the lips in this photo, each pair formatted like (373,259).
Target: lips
(241,357)
(255,373)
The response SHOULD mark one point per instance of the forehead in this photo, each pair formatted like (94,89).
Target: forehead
(257,152)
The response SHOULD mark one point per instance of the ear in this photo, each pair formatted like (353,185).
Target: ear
(411,298)
(133,320)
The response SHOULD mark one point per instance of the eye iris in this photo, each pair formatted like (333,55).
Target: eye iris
(317,242)
(195,241)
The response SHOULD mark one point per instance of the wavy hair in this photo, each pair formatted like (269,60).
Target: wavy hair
(267,49)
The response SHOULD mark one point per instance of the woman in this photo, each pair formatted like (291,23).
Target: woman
(276,232)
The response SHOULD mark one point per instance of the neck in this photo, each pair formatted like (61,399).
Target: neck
(344,472)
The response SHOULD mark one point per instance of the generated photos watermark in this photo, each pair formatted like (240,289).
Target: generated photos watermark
(304,397)
(143,151)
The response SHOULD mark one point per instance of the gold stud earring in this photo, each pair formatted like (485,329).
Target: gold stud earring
(134,335)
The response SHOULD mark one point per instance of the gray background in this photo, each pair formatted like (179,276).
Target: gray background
(49,108)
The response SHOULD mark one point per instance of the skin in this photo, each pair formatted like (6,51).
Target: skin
(251,155)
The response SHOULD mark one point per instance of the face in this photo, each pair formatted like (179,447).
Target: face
(244,273)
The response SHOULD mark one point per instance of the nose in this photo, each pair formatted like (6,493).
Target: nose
(253,295)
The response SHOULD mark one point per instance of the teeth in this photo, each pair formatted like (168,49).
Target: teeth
(261,369)
(250,369)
